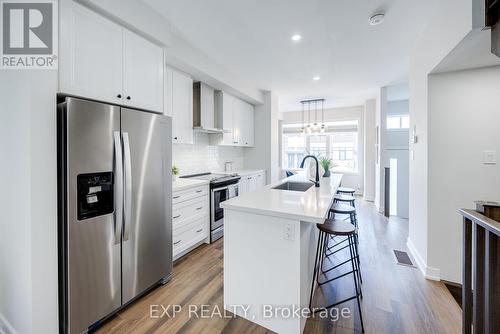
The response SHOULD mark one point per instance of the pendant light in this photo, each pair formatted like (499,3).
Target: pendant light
(322,116)
(302,129)
(309,130)
(313,127)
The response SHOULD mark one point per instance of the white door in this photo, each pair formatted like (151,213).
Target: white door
(261,180)
(91,56)
(142,72)
(247,124)
(227,119)
(182,108)
(238,121)
(168,92)
(243,185)
(252,182)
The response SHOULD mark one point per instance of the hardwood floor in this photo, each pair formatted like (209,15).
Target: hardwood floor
(396,299)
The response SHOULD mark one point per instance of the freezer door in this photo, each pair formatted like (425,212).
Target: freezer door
(147,230)
(93,238)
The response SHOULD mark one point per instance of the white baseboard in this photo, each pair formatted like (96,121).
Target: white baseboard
(428,272)
(5,326)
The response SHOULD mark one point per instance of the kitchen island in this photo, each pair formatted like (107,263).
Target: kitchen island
(270,240)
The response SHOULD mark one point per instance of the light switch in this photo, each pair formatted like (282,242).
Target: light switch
(490,157)
(288,232)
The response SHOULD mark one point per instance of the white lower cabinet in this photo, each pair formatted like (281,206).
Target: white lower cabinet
(190,219)
(252,181)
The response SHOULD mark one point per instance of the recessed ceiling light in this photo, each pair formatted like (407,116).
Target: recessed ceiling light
(316,78)
(376,19)
(296,37)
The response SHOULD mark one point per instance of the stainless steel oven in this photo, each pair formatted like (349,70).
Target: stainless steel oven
(217,196)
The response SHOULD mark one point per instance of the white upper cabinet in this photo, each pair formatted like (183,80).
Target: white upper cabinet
(101,60)
(142,72)
(247,125)
(91,56)
(179,105)
(236,117)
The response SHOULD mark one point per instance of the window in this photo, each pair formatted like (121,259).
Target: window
(398,122)
(344,151)
(294,150)
(339,142)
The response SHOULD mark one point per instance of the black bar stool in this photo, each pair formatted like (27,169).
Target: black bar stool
(343,209)
(345,190)
(328,229)
(341,198)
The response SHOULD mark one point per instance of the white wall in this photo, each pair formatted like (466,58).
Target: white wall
(440,36)
(203,157)
(370,152)
(397,142)
(351,180)
(381,161)
(464,118)
(265,154)
(28,238)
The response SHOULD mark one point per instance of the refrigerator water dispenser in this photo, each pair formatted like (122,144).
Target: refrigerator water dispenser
(95,195)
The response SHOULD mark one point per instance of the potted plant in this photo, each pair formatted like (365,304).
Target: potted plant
(326,164)
(175,172)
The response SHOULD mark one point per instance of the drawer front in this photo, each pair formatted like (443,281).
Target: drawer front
(197,232)
(187,194)
(189,210)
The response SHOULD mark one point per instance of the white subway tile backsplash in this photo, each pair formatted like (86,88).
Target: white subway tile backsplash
(203,157)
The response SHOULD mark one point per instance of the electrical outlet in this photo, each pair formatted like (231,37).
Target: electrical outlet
(490,157)
(288,232)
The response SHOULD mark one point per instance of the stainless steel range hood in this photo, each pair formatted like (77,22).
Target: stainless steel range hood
(204,109)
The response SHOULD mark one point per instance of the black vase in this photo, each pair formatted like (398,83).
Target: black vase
(327,173)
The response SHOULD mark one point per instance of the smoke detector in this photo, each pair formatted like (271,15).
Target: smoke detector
(376,19)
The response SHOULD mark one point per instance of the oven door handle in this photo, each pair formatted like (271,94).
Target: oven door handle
(219,189)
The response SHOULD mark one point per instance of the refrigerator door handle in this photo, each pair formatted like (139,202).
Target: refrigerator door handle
(118,187)
(128,185)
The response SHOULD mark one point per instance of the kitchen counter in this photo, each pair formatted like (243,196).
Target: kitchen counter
(244,172)
(311,205)
(270,239)
(181,183)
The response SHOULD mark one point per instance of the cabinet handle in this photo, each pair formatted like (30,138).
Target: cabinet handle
(199,208)
(199,230)
(176,197)
(128,97)
(177,216)
(199,191)
(177,242)
(175,138)
(119,96)
(249,178)
(235,142)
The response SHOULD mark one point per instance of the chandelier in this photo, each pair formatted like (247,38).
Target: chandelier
(312,127)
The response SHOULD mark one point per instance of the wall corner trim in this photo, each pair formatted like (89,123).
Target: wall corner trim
(429,273)
(5,326)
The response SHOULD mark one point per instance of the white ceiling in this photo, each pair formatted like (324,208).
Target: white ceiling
(252,39)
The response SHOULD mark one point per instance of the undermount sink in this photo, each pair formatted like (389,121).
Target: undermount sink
(294,186)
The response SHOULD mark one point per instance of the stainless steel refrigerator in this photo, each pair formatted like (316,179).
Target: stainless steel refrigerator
(115,189)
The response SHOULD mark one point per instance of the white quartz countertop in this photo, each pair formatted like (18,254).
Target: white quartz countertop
(311,205)
(243,172)
(181,183)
